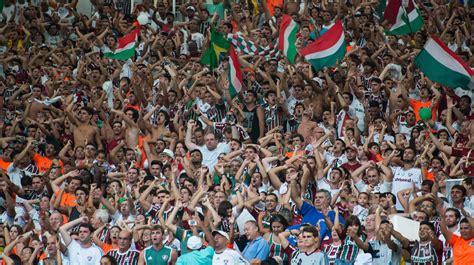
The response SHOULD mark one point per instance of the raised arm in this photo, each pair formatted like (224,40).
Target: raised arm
(295,195)
(189,144)
(169,221)
(65,227)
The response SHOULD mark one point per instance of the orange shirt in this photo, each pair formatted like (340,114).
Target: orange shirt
(299,152)
(463,250)
(271,4)
(67,199)
(4,165)
(108,247)
(429,174)
(416,105)
(43,163)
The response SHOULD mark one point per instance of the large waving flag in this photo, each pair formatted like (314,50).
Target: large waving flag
(242,44)
(287,37)
(443,66)
(403,16)
(126,46)
(217,45)
(235,74)
(327,49)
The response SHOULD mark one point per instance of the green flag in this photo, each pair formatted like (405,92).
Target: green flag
(2,4)
(217,45)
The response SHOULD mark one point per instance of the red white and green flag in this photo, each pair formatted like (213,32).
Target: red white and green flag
(440,64)
(235,74)
(403,16)
(126,46)
(327,49)
(287,37)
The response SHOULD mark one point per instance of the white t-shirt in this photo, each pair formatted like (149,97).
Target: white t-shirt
(209,158)
(118,216)
(5,219)
(357,109)
(386,137)
(329,157)
(16,174)
(402,179)
(323,184)
(381,187)
(198,38)
(84,256)
(229,257)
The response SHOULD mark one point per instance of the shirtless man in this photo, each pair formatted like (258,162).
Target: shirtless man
(307,126)
(132,132)
(83,131)
(34,107)
(24,95)
(159,127)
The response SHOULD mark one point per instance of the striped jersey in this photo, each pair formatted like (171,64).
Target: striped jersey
(104,235)
(276,249)
(332,251)
(128,258)
(273,117)
(447,249)
(349,250)
(425,253)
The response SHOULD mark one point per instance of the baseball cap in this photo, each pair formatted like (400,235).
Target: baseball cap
(194,243)
(318,80)
(222,233)
(351,147)
(191,8)
(169,153)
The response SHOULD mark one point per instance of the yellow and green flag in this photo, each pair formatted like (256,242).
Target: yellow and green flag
(218,44)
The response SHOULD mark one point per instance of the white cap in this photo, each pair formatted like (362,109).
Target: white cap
(169,153)
(194,242)
(222,233)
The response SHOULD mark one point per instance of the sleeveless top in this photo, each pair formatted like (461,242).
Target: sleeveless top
(250,123)
(276,249)
(74,214)
(158,257)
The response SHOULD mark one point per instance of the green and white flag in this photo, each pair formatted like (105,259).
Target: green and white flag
(403,16)
(327,49)
(234,74)
(443,66)
(126,46)
(287,37)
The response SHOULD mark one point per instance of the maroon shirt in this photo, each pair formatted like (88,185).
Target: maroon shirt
(467,167)
(351,168)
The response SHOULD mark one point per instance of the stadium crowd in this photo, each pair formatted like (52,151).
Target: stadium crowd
(150,160)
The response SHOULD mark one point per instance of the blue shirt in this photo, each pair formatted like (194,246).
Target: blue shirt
(313,217)
(198,257)
(256,249)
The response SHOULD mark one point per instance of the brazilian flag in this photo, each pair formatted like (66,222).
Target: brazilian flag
(218,45)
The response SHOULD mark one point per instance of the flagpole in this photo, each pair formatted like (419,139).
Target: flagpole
(174,7)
